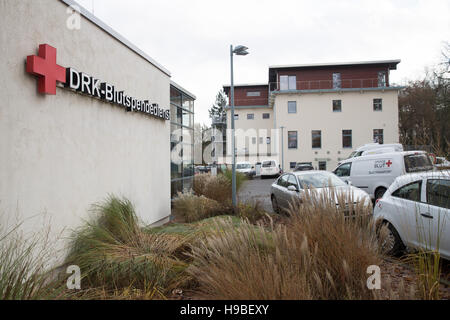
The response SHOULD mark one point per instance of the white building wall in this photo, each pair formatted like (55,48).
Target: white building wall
(60,154)
(315,112)
(246,130)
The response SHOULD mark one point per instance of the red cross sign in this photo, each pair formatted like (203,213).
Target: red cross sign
(44,66)
(389,163)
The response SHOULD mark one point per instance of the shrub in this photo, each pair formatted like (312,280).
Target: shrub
(240,178)
(194,208)
(322,253)
(113,253)
(251,211)
(217,187)
(213,187)
(24,273)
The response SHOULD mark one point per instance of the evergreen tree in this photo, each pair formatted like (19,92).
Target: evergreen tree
(218,108)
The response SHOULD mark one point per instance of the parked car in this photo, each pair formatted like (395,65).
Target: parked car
(395,147)
(304,166)
(270,168)
(295,184)
(375,173)
(416,210)
(245,168)
(441,162)
(202,169)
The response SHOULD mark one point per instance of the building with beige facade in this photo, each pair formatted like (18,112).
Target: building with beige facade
(315,113)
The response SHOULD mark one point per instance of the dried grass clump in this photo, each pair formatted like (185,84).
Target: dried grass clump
(322,253)
(213,187)
(194,208)
(114,254)
(252,211)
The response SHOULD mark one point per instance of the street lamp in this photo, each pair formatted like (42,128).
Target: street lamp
(240,51)
(282,148)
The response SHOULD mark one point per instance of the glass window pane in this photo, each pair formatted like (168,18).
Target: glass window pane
(337,105)
(292,139)
(317,139)
(438,193)
(292,83)
(409,192)
(175,96)
(284,83)
(346,138)
(378,136)
(292,106)
(377,104)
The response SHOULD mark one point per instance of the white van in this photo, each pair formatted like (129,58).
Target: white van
(393,147)
(375,173)
(269,168)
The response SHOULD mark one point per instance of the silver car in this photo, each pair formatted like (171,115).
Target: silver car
(291,185)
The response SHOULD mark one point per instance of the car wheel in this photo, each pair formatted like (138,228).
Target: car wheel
(275,206)
(392,243)
(379,193)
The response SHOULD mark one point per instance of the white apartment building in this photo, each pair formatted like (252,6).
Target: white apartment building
(315,113)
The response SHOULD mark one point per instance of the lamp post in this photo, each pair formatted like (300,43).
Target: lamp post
(282,148)
(240,51)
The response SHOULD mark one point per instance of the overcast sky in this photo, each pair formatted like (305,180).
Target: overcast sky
(191,38)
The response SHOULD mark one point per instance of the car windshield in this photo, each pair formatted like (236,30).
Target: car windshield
(319,180)
(353,154)
(418,162)
(268,164)
(243,166)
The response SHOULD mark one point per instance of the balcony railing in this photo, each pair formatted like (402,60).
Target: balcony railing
(328,84)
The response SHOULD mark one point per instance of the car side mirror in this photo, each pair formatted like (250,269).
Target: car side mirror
(292,188)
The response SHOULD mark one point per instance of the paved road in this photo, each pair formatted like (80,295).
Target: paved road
(257,190)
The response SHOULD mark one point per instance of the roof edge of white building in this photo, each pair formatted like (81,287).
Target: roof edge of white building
(102,25)
(330,64)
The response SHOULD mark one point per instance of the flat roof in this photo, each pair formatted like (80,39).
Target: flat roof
(246,85)
(177,86)
(85,13)
(334,64)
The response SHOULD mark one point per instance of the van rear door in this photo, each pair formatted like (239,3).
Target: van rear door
(417,162)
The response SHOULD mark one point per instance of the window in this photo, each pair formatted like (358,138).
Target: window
(268,140)
(317,139)
(417,162)
(438,193)
(346,138)
(337,105)
(292,181)
(343,170)
(236,116)
(292,106)
(292,139)
(336,80)
(253,140)
(409,192)
(378,136)
(261,140)
(288,82)
(250,116)
(283,181)
(377,104)
(266,115)
(382,79)
(253,94)
(323,165)
(292,165)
